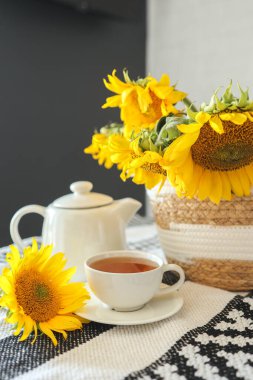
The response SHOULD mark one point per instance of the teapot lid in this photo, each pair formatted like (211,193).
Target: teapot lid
(82,197)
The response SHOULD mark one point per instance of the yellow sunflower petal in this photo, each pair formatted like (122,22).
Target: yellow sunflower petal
(64,334)
(65,322)
(239,118)
(34,246)
(202,117)
(164,80)
(65,275)
(164,108)
(249,171)
(235,117)
(182,143)
(127,96)
(226,187)
(216,188)
(189,128)
(46,330)
(192,189)
(245,182)
(161,89)
(188,171)
(54,264)
(5,284)
(19,325)
(150,180)
(249,115)
(226,116)
(13,257)
(71,307)
(235,183)
(35,333)
(13,319)
(38,259)
(112,101)
(167,164)
(144,99)
(216,124)
(176,96)
(205,185)
(114,84)
(28,328)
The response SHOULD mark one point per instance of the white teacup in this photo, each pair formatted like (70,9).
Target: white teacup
(130,291)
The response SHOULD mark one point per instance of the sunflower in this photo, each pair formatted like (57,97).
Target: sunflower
(213,158)
(142,102)
(37,293)
(148,170)
(142,166)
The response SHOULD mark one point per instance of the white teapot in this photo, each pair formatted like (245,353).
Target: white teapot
(81,224)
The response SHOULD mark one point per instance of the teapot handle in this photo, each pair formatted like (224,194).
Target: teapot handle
(16,219)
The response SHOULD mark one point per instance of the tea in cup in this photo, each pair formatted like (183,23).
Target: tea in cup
(127,280)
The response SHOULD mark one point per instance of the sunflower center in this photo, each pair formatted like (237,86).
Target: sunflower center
(229,151)
(154,168)
(36,295)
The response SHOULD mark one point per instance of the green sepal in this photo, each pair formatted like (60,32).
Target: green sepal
(112,129)
(228,101)
(191,114)
(220,106)
(126,76)
(228,96)
(147,140)
(211,106)
(244,97)
(249,107)
(233,107)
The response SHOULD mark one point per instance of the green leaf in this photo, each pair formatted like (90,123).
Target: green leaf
(173,133)
(160,124)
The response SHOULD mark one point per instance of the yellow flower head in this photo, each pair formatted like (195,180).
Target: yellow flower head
(213,158)
(147,170)
(37,293)
(142,102)
(142,167)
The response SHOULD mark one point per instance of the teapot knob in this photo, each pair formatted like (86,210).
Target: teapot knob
(81,187)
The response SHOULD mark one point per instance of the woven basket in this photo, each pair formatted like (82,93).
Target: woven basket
(212,243)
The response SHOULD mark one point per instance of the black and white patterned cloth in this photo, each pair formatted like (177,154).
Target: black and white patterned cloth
(210,338)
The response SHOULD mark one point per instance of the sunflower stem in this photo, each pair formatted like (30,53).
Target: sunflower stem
(188,103)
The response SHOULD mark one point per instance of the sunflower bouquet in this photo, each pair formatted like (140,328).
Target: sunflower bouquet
(205,153)
(200,164)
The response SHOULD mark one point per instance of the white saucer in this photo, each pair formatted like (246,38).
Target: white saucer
(158,308)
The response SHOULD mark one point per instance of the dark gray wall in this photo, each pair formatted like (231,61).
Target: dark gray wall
(52,63)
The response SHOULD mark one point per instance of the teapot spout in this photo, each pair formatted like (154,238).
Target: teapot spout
(126,208)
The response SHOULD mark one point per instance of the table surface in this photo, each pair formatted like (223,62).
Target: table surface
(211,338)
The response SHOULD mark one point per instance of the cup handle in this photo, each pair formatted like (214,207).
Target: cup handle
(178,284)
(16,219)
